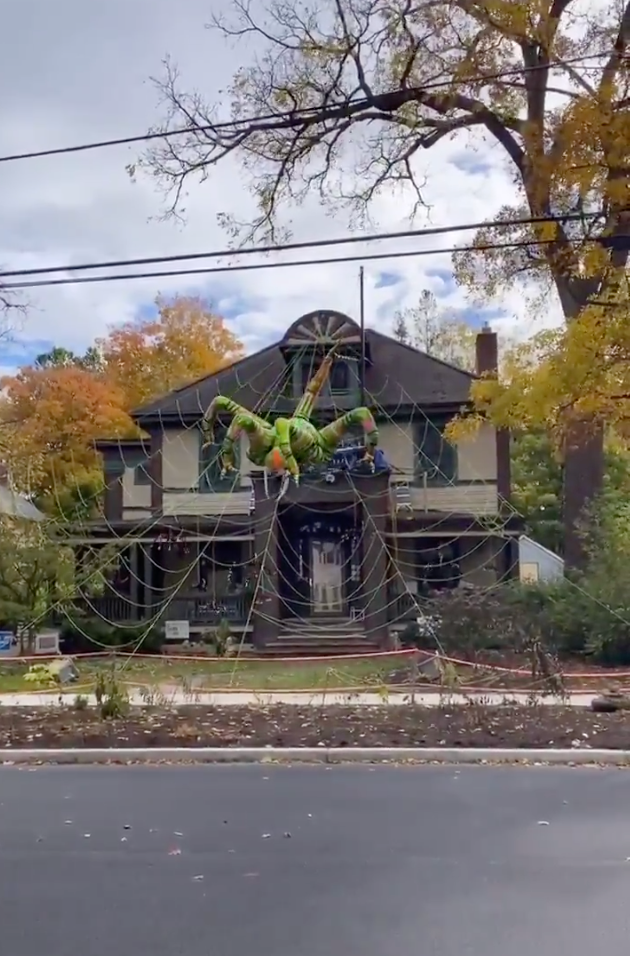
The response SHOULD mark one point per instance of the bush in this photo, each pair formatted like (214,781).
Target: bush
(85,635)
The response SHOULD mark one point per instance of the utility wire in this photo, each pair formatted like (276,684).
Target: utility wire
(305,112)
(306,244)
(279,265)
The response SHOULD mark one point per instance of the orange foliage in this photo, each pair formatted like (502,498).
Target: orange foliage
(52,416)
(186,341)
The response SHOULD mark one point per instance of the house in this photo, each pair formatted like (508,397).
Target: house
(338,557)
(15,505)
(537,563)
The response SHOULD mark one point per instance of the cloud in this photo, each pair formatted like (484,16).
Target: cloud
(86,78)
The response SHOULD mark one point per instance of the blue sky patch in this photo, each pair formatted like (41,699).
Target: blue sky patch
(471,163)
(385,279)
(16,352)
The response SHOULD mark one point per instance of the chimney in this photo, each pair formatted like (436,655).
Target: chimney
(487,351)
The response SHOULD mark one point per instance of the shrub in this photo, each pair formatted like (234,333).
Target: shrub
(84,635)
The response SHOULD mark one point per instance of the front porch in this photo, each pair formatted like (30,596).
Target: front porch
(326,566)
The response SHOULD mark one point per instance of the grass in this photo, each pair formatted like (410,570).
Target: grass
(216,674)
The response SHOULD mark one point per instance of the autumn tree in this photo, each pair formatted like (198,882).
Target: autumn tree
(344,96)
(39,575)
(438,331)
(51,416)
(185,341)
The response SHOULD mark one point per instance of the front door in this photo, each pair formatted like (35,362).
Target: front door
(327,595)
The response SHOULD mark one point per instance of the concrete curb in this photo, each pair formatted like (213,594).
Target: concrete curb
(314,755)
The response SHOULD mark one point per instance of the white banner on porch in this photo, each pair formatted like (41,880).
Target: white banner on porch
(177,630)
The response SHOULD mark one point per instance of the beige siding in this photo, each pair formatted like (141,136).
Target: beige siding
(136,514)
(135,496)
(477,456)
(193,503)
(180,458)
(464,499)
(396,440)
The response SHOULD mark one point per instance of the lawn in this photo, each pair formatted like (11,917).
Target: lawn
(214,674)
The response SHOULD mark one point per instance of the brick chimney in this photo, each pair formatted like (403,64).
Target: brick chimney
(487,351)
(487,361)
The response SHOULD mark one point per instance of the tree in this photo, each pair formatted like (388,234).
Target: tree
(537,493)
(381,82)
(52,416)
(186,341)
(39,576)
(60,357)
(437,331)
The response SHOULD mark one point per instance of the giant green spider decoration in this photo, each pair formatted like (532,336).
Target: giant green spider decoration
(288,445)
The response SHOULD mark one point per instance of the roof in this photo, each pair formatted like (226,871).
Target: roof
(396,376)
(17,506)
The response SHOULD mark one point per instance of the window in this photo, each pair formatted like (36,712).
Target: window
(142,473)
(437,457)
(341,379)
(210,464)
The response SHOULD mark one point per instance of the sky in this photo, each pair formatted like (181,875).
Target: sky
(78,72)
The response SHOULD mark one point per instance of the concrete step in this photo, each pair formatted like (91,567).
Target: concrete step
(331,628)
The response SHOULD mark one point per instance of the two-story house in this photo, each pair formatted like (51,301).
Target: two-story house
(344,553)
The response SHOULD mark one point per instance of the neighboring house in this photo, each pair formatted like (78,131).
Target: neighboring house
(537,563)
(18,506)
(343,553)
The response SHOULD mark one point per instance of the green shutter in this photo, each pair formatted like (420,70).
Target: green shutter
(210,465)
(437,457)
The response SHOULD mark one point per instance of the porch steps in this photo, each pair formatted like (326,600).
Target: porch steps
(326,638)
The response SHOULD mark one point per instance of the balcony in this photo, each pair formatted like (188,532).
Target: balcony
(197,610)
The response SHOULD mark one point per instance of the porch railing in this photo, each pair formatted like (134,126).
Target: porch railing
(197,610)
(402,607)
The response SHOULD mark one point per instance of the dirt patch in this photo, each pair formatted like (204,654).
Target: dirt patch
(290,726)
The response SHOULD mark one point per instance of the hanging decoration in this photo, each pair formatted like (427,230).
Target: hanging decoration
(289,445)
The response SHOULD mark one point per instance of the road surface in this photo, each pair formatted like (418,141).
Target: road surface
(314,861)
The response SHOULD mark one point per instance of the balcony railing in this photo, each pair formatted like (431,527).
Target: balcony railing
(196,610)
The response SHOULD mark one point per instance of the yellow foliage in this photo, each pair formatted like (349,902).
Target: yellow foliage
(578,373)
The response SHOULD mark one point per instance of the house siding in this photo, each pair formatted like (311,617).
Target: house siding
(135,496)
(476,457)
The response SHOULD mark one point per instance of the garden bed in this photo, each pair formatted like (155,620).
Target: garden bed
(291,726)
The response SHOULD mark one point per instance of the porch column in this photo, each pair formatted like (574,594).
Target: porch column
(266,611)
(134,583)
(375,566)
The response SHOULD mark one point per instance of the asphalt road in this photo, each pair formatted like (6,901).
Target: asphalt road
(197,861)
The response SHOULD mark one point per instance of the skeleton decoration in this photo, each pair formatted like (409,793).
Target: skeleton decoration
(287,445)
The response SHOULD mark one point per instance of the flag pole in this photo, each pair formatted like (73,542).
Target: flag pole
(362,327)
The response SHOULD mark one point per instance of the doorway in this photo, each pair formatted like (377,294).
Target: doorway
(327,577)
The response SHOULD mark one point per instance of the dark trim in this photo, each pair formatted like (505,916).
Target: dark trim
(156,468)
(113,497)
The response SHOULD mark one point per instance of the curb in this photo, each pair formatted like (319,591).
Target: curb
(315,755)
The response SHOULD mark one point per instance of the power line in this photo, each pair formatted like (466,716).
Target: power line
(293,246)
(304,112)
(280,265)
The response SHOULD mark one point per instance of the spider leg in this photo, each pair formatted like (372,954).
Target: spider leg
(331,435)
